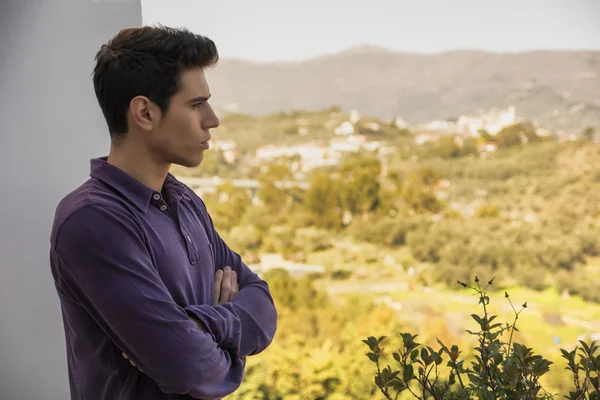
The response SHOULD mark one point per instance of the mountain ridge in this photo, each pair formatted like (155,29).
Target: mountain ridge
(557,88)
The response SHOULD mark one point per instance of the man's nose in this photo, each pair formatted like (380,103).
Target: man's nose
(212,121)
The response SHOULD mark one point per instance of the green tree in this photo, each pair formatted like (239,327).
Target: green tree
(229,213)
(245,237)
(324,200)
(418,190)
(513,135)
(272,195)
(588,132)
(486,136)
(488,211)
(360,176)
(448,148)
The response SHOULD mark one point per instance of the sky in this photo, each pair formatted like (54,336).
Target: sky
(279,30)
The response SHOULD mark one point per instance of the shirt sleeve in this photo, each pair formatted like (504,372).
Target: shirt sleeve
(103,259)
(253,310)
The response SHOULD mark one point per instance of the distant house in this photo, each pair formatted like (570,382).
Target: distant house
(346,128)
(400,123)
(372,126)
(228,148)
(270,261)
(492,121)
(230,156)
(487,147)
(423,138)
(312,155)
(351,143)
(270,151)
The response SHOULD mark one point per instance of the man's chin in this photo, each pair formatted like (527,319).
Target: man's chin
(192,162)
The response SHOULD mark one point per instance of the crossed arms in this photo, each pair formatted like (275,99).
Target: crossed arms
(109,271)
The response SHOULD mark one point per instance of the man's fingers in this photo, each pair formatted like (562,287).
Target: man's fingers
(234,285)
(217,291)
(226,286)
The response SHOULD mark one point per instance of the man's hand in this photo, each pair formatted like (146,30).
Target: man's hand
(226,286)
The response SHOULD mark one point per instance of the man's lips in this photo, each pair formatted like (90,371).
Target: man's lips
(205,143)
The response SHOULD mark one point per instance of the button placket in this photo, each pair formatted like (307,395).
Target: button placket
(162,204)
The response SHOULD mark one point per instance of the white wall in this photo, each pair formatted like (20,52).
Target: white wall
(50,126)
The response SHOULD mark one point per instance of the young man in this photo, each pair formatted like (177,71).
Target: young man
(148,289)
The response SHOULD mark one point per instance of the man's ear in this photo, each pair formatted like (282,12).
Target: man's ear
(143,112)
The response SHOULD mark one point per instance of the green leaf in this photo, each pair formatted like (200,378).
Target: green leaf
(585,346)
(373,357)
(425,356)
(478,319)
(576,395)
(451,379)
(378,381)
(398,385)
(385,375)
(414,354)
(441,344)
(408,373)
(497,357)
(397,357)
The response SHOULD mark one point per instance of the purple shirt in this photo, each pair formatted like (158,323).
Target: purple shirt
(130,264)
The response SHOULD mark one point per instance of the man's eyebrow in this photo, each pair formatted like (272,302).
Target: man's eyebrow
(200,99)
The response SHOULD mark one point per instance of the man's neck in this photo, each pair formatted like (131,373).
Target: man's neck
(139,164)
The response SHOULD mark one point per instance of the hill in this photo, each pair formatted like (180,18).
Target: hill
(559,89)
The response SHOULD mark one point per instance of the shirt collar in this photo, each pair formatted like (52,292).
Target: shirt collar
(129,187)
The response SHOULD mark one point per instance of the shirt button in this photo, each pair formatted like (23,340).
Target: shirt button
(189,238)
(163,207)
(156,196)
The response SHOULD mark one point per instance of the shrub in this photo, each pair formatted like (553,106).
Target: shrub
(312,239)
(500,369)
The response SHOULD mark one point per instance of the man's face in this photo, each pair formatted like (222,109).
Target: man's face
(182,134)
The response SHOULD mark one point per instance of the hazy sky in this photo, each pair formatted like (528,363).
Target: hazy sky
(292,30)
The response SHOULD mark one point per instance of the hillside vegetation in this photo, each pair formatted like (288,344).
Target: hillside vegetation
(394,232)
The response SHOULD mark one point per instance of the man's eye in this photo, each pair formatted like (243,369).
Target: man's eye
(197,105)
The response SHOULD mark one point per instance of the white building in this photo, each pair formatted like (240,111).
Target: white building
(374,126)
(228,148)
(493,121)
(400,123)
(351,143)
(423,138)
(346,128)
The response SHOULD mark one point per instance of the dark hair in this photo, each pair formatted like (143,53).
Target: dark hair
(146,61)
